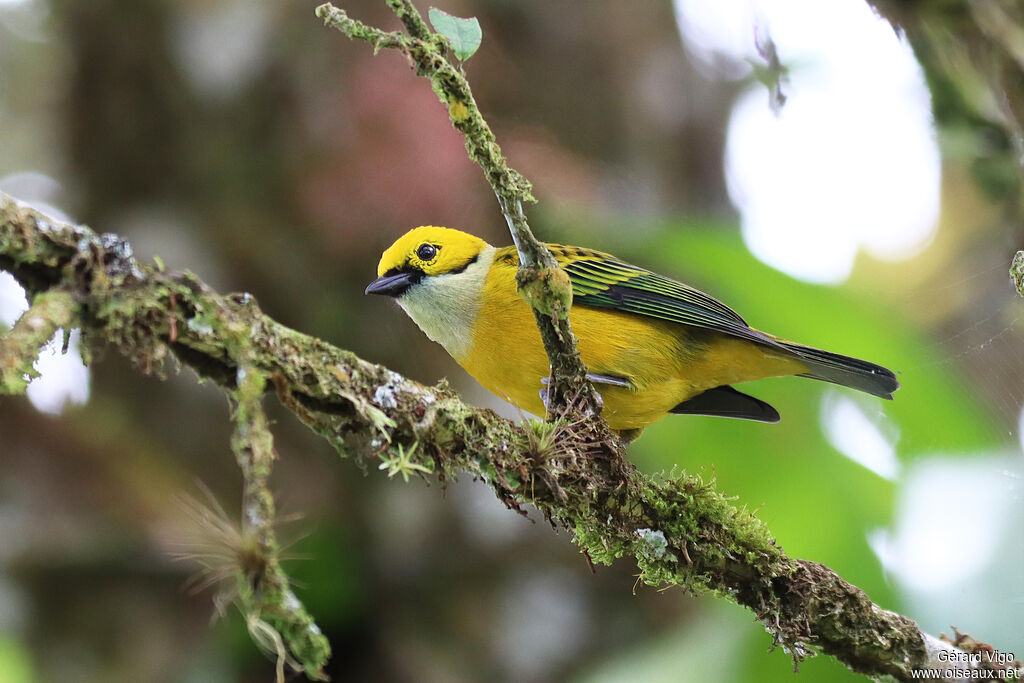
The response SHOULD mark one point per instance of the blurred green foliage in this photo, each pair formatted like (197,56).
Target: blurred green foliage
(15,662)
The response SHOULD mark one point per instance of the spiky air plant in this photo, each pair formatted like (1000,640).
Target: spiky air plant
(233,562)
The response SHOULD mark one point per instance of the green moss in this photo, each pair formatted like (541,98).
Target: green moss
(20,346)
(599,548)
(1017,272)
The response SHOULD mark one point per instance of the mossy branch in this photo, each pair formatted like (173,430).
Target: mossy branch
(264,592)
(49,311)
(681,531)
(77,278)
(542,283)
(1017,272)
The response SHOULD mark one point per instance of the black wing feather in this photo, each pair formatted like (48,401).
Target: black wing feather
(602,281)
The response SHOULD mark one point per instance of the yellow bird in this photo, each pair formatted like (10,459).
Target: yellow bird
(652,346)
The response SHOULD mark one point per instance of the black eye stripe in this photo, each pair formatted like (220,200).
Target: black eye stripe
(426,251)
(415,273)
(467,264)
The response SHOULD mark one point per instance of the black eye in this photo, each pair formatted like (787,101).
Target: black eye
(426,252)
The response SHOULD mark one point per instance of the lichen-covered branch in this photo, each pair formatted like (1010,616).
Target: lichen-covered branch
(1017,272)
(49,311)
(542,283)
(264,593)
(76,278)
(681,531)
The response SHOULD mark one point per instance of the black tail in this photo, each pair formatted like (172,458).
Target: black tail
(844,370)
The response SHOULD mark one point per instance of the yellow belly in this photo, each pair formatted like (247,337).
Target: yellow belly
(666,363)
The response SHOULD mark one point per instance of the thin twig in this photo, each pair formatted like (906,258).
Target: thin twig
(543,284)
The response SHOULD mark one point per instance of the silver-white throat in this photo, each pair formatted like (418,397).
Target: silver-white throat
(445,306)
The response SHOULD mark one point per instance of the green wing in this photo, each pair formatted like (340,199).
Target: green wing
(600,280)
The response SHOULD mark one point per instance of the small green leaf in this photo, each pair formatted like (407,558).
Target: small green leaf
(464,35)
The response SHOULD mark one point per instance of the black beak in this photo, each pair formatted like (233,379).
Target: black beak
(394,284)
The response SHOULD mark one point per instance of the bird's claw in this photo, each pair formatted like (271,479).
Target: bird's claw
(546,381)
(610,380)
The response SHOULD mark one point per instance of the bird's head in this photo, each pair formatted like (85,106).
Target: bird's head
(424,253)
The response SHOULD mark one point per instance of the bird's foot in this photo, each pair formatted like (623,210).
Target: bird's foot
(610,380)
(594,379)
